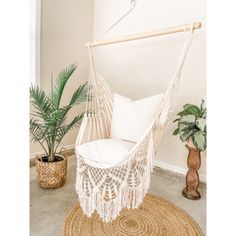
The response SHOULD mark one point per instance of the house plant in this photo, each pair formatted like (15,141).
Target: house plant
(192,125)
(192,129)
(49,124)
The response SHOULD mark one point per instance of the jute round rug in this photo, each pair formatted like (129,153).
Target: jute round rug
(154,217)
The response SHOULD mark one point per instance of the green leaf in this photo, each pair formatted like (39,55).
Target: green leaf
(185,125)
(186,106)
(176,131)
(62,80)
(41,102)
(184,136)
(189,118)
(199,140)
(80,95)
(204,113)
(202,104)
(201,123)
(186,130)
(191,110)
(37,132)
(62,131)
(178,119)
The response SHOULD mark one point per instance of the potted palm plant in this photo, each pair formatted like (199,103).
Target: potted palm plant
(192,130)
(48,126)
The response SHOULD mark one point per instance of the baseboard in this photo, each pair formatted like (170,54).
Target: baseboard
(176,169)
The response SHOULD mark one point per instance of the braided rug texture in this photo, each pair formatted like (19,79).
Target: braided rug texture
(154,217)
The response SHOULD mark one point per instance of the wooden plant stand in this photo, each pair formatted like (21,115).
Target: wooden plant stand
(192,178)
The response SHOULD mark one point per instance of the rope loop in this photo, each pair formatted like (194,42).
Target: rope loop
(188,27)
(185,26)
(133,3)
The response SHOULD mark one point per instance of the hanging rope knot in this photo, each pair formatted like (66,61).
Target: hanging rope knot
(133,3)
(188,27)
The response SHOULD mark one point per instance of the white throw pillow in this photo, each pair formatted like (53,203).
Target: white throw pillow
(130,119)
(104,153)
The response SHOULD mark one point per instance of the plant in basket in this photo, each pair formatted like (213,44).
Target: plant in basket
(49,124)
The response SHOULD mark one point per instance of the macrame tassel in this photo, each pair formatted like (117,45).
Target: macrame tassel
(88,186)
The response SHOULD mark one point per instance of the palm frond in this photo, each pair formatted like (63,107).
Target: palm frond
(62,79)
(62,131)
(41,102)
(80,95)
(37,132)
(73,124)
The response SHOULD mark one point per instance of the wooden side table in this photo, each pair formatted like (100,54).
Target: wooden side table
(192,178)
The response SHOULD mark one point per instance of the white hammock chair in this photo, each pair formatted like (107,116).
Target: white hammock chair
(109,189)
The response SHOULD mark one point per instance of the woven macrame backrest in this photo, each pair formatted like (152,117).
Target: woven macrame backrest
(97,120)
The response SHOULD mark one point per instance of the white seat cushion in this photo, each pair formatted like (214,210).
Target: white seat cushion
(130,119)
(104,153)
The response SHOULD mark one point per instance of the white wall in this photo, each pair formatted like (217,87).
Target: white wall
(135,69)
(145,67)
(65,28)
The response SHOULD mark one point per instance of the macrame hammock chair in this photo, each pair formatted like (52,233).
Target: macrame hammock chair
(109,189)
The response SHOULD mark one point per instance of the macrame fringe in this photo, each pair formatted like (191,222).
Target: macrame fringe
(129,197)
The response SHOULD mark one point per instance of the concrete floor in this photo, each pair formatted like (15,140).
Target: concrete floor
(48,208)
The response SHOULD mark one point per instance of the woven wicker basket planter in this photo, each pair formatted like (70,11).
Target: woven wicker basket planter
(51,175)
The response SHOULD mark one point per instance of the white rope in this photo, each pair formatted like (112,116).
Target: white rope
(133,4)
